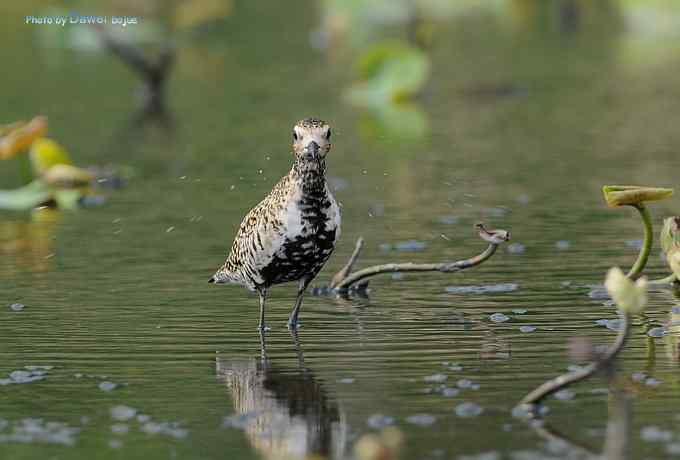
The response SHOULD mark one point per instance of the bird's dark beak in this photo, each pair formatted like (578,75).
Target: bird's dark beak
(312,150)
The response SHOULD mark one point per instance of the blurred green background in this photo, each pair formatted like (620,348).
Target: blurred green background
(444,113)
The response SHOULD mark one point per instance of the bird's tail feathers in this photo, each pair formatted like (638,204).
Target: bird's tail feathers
(222,277)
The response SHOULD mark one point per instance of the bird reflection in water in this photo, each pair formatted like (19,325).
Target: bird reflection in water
(285,412)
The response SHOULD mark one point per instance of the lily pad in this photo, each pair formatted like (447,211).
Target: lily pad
(389,72)
(620,195)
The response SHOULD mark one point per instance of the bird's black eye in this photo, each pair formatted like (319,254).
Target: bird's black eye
(295,136)
(328,135)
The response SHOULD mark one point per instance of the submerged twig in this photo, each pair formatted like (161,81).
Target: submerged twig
(604,362)
(347,269)
(345,279)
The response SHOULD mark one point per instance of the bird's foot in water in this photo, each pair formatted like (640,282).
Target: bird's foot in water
(294,325)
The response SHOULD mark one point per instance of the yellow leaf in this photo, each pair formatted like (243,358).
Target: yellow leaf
(45,153)
(18,136)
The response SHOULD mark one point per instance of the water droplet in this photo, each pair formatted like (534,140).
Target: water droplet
(410,246)
(564,395)
(435,378)
(563,245)
(655,434)
(122,413)
(379,421)
(494,288)
(515,248)
(657,332)
(107,386)
(527,329)
(115,443)
(499,318)
(120,428)
(448,220)
(421,419)
(450,392)
(467,384)
(468,409)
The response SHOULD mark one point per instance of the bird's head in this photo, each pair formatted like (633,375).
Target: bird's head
(311,139)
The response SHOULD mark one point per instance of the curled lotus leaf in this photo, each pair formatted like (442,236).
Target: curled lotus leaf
(67,176)
(18,136)
(670,234)
(46,153)
(630,296)
(492,236)
(632,195)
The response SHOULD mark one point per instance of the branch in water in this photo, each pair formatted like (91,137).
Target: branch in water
(345,279)
(604,362)
(153,73)
(347,269)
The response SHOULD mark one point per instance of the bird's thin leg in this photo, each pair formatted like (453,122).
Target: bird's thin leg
(263,296)
(293,319)
(263,347)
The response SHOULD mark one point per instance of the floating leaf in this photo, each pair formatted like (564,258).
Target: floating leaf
(26,197)
(620,195)
(19,136)
(389,72)
(46,153)
(67,176)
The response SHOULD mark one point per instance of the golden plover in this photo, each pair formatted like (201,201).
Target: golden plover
(290,234)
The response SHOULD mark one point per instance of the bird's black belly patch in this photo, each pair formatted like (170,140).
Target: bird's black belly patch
(304,254)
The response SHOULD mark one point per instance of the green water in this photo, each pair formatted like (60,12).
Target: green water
(524,127)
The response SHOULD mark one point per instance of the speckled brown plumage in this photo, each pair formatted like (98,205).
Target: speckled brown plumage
(292,232)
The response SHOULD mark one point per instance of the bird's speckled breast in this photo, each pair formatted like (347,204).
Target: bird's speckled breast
(312,228)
